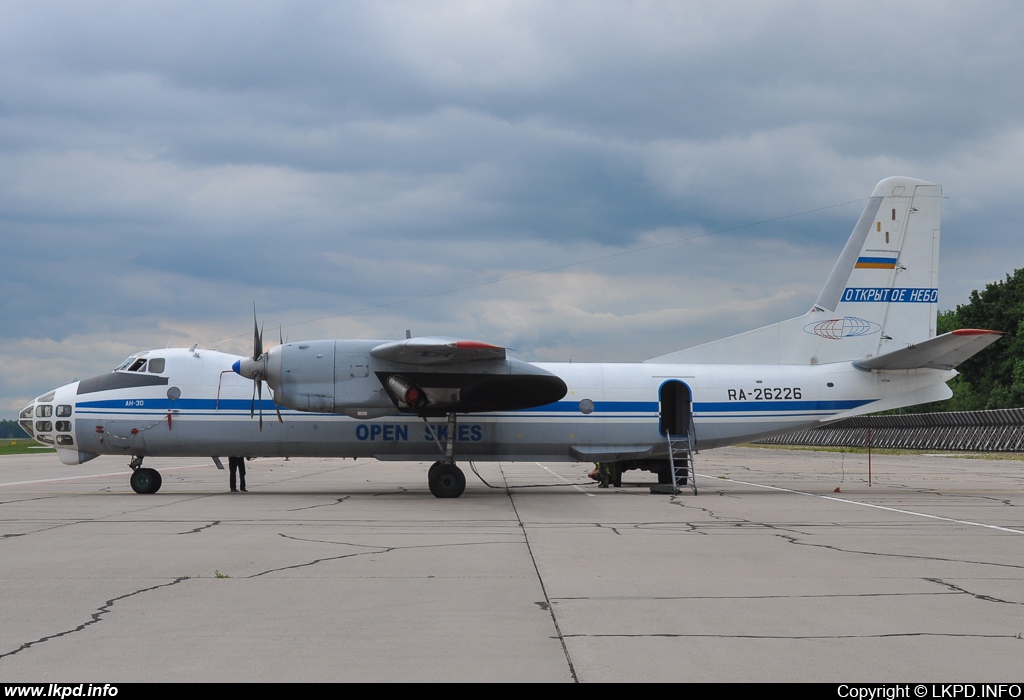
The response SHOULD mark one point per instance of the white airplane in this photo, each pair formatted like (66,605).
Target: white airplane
(867,344)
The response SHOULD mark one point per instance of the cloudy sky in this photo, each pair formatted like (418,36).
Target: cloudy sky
(585,180)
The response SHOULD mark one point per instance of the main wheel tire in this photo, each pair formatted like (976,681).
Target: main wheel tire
(448,481)
(145,480)
(432,473)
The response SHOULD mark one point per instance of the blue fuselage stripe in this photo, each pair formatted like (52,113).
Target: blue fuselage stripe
(606,409)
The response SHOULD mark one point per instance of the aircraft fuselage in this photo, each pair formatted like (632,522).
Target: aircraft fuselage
(196,407)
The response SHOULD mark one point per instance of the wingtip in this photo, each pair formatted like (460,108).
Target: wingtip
(976,331)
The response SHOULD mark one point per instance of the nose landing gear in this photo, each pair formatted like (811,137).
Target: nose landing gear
(144,479)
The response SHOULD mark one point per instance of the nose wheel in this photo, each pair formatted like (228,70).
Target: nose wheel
(144,479)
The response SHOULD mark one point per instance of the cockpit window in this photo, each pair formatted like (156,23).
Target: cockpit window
(156,365)
(138,366)
(44,410)
(63,410)
(132,361)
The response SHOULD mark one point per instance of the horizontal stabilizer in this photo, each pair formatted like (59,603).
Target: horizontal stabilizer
(437,351)
(942,352)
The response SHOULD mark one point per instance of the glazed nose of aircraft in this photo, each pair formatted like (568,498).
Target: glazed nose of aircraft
(25,418)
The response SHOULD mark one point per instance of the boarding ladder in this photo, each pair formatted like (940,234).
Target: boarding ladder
(680,460)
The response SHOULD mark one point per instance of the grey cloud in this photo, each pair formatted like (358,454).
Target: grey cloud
(164,166)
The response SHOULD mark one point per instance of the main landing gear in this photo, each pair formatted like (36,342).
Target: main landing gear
(444,477)
(446,480)
(144,479)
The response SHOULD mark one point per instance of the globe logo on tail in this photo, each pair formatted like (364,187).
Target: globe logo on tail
(845,327)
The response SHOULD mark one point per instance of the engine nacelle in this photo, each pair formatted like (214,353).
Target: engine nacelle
(342,376)
(327,376)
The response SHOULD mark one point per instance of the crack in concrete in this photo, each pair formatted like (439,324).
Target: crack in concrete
(200,529)
(26,500)
(719,521)
(795,541)
(980,596)
(375,550)
(607,527)
(95,617)
(399,491)
(308,539)
(320,505)
(47,529)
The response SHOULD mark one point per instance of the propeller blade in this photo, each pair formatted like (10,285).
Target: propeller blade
(257,336)
(259,389)
(276,407)
(258,373)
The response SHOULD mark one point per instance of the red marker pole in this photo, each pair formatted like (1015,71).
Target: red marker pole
(869,450)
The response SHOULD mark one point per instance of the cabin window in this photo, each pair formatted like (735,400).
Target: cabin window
(893,214)
(44,410)
(65,440)
(63,426)
(156,365)
(43,426)
(63,410)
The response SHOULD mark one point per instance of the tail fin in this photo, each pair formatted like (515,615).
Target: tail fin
(882,294)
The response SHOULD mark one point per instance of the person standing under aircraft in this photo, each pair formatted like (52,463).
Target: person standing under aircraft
(237,464)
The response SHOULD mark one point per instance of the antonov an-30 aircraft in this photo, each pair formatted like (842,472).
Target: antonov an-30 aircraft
(867,344)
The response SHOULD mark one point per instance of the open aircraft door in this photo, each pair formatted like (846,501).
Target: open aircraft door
(675,416)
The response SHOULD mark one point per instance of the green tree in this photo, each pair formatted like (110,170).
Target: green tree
(11,429)
(994,378)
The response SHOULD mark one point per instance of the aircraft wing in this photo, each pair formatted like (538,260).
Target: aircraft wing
(437,351)
(941,352)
